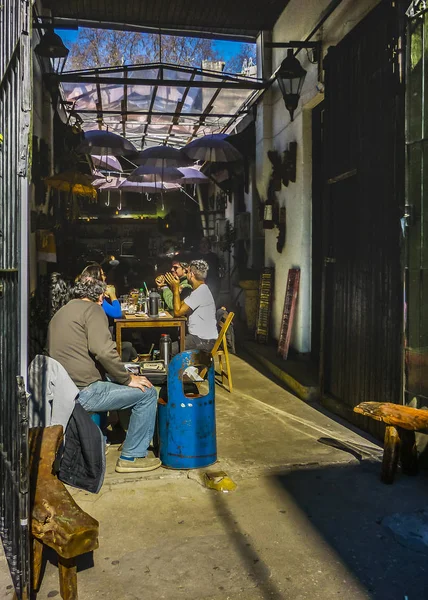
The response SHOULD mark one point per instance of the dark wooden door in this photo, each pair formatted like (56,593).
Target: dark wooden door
(363,188)
(317,210)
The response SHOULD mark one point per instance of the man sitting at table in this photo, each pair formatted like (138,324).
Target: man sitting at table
(179,269)
(79,339)
(199,306)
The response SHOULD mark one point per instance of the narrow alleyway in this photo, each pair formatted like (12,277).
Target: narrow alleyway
(303,523)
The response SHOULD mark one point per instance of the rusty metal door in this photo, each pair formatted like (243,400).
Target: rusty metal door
(363,187)
(15,116)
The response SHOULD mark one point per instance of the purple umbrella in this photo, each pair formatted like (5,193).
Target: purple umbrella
(192,175)
(212,148)
(147,174)
(108,163)
(162,156)
(112,183)
(147,187)
(105,143)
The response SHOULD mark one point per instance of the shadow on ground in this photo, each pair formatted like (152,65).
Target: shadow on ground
(338,511)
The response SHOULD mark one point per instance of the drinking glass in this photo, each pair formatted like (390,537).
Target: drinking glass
(132,309)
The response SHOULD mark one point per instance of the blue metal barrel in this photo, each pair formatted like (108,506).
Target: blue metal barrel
(187,427)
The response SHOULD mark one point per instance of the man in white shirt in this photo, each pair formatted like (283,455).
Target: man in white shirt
(199,306)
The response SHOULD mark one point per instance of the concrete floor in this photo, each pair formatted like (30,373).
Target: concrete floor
(303,523)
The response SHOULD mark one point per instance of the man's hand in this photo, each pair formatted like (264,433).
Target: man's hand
(180,308)
(140,382)
(160,280)
(111,292)
(173,281)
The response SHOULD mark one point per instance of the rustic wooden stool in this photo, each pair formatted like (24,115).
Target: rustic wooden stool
(401,424)
(56,520)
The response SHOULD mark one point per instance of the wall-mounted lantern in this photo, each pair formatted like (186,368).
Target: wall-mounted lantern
(51,46)
(291,76)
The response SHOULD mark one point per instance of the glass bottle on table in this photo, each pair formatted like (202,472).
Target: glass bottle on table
(141,301)
(165,348)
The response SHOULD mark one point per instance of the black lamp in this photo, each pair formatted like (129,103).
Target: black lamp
(51,46)
(290,77)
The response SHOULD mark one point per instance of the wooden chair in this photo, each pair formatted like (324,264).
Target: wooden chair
(401,423)
(221,352)
(56,520)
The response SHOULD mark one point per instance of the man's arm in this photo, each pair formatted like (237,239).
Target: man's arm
(168,297)
(113,310)
(181,309)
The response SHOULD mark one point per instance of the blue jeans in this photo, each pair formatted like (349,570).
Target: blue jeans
(102,396)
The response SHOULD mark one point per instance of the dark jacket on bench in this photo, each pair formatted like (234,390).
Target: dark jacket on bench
(82,458)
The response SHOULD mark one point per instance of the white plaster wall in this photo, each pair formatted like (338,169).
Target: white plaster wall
(275,131)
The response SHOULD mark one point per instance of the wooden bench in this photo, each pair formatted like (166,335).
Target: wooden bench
(56,520)
(399,444)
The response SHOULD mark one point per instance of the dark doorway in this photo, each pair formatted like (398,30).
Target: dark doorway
(363,188)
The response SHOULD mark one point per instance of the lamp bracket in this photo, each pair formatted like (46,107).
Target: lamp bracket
(315,46)
(44,22)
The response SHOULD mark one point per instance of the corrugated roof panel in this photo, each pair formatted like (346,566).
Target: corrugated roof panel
(239,18)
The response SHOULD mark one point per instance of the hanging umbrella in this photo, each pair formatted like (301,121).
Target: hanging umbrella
(113,183)
(140,187)
(72,182)
(105,143)
(103,184)
(147,174)
(108,163)
(162,156)
(212,148)
(192,176)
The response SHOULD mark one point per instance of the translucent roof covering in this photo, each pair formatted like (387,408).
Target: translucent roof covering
(155,103)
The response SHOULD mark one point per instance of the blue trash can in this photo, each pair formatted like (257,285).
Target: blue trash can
(187,427)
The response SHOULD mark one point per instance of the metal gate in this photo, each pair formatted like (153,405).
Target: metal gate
(15,117)
(363,190)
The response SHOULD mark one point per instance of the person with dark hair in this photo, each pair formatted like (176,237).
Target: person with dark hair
(199,306)
(112,308)
(52,292)
(79,339)
(178,268)
(59,293)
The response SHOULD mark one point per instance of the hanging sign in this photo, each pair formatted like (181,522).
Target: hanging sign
(265,305)
(288,312)
(416,8)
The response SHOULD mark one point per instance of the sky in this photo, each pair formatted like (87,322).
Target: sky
(225,49)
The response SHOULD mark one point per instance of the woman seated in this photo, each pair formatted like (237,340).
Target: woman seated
(111,306)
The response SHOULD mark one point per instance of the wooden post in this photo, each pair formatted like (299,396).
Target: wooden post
(67,578)
(37,562)
(390,454)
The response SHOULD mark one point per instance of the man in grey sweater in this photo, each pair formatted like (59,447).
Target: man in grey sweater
(79,339)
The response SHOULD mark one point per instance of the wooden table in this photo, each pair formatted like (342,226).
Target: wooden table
(132,321)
